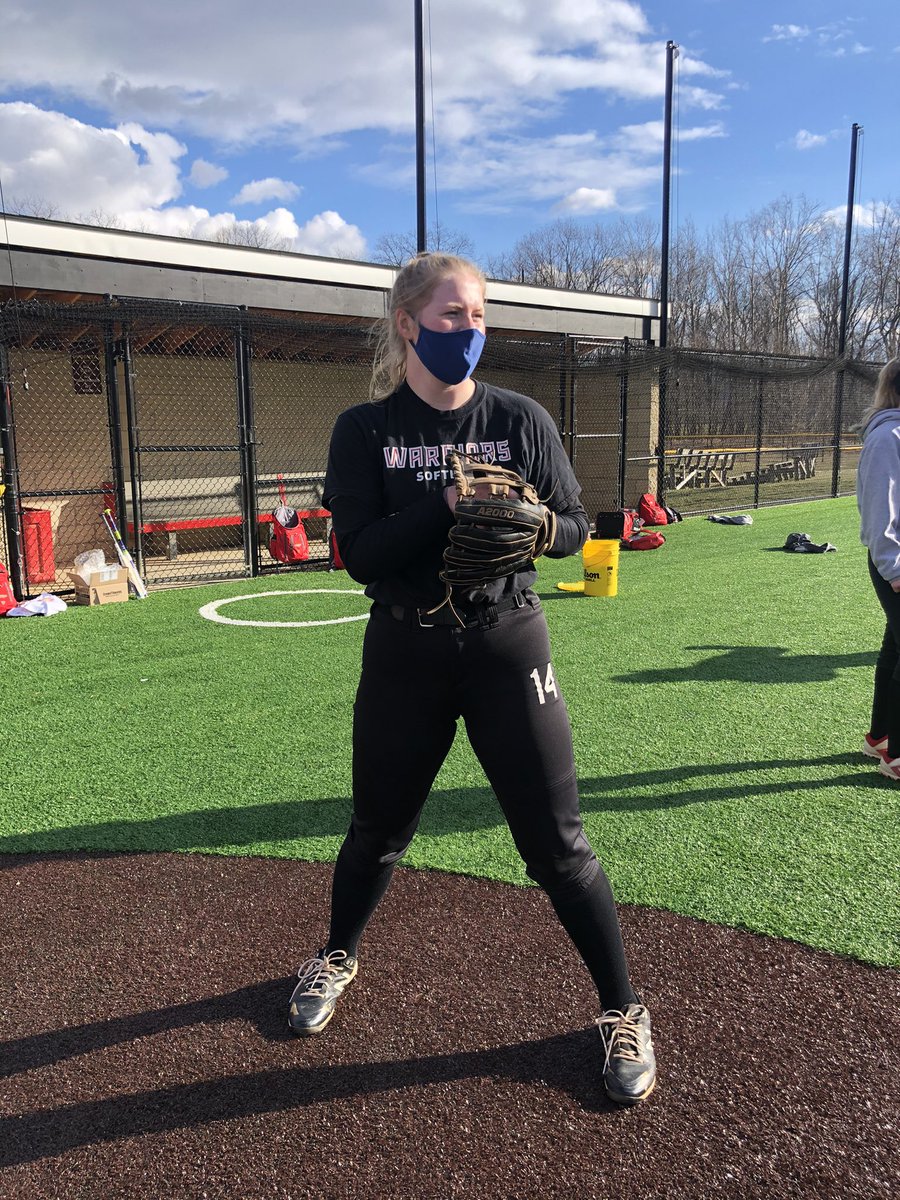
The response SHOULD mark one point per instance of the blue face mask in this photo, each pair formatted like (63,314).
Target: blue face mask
(450,357)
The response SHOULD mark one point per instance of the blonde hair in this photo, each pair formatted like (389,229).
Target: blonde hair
(887,391)
(411,292)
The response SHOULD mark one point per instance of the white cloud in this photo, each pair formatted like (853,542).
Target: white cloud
(579,172)
(266,189)
(788,33)
(865,216)
(132,176)
(326,234)
(804,140)
(505,170)
(330,235)
(498,75)
(206,174)
(337,70)
(587,200)
(81,167)
(649,136)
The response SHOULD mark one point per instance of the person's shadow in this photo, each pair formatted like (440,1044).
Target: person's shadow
(753,664)
(568,1062)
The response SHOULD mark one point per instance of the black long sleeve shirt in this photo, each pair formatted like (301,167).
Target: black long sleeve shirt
(387,470)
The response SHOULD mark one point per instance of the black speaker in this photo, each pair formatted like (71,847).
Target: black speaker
(610,525)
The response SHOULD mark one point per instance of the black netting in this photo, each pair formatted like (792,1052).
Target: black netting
(191,421)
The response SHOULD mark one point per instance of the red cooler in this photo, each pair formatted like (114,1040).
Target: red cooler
(37,533)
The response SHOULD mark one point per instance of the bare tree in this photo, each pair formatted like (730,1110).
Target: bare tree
(881,259)
(251,233)
(100,217)
(784,236)
(615,260)
(636,256)
(35,206)
(690,271)
(397,248)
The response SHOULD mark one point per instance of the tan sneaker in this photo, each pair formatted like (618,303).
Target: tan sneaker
(629,1069)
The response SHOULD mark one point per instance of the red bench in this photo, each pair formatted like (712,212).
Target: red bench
(171,506)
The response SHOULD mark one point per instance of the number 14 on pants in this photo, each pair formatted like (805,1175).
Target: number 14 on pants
(544,688)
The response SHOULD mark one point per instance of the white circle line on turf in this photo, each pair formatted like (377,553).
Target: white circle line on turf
(211,611)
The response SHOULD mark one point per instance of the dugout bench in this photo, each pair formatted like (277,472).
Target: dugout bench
(171,506)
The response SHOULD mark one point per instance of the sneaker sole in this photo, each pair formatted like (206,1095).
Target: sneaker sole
(310,1030)
(630,1101)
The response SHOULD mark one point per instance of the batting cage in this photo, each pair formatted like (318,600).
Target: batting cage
(188,422)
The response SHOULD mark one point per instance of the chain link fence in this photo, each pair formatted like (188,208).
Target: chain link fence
(191,422)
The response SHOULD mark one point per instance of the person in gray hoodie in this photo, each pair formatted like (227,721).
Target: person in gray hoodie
(878,498)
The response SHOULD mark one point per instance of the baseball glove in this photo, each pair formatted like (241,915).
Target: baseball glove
(501,525)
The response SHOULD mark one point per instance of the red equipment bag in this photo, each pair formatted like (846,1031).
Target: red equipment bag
(643,541)
(289,543)
(651,511)
(7,599)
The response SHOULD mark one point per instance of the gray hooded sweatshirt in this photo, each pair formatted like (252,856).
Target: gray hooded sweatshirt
(878,492)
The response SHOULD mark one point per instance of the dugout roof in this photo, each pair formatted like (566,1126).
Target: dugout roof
(60,263)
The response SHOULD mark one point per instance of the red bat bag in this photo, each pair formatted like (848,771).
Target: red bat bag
(7,599)
(289,543)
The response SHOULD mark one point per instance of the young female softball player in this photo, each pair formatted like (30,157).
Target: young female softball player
(485,657)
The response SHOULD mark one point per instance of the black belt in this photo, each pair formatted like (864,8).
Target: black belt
(484,616)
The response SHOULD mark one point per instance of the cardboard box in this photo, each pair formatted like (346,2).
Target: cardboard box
(108,586)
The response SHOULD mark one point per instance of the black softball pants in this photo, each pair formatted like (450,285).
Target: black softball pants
(886,696)
(415,684)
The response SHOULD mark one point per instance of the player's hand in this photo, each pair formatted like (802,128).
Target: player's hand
(482,492)
(895,584)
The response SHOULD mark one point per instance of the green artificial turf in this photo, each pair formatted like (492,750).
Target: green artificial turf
(718,705)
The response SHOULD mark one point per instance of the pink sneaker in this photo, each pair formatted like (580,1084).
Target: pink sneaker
(873,749)
(890,767)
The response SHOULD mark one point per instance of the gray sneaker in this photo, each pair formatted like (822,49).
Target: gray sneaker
(322,980)
(629,1068)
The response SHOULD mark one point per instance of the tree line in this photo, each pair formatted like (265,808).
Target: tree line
(768,283)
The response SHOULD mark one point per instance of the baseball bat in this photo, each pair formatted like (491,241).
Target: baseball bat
(124,556)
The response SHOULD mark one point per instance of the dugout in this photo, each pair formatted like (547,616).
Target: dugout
(175,380)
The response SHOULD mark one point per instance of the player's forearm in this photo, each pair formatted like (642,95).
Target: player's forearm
(375,548)
(571,531)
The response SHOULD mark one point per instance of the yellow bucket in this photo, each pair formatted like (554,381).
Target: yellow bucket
(601,567)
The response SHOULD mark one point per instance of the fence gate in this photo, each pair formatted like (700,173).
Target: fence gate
(184,392)
(57,448)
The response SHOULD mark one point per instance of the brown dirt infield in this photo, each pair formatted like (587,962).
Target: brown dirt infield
(145,1051)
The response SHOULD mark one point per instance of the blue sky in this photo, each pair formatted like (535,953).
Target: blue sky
(182,117)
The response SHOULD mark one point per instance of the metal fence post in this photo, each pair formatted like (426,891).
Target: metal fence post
(571,384)
(661,427)
(10,477)
(623,420)
(134,466)
(759,440)
(247,443)
(111,356)
(838,422)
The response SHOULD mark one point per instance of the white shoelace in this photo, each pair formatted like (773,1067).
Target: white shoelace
(621,1034)
(316,972)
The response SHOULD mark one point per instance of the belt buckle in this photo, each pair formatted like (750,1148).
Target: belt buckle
(424,624)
